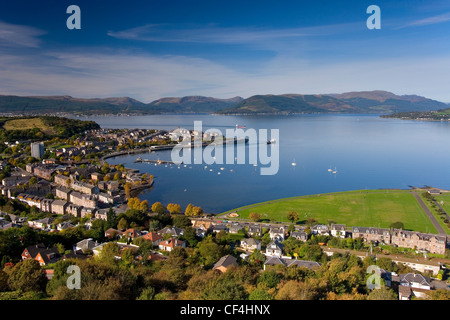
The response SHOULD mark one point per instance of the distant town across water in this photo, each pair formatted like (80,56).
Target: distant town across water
(331,153)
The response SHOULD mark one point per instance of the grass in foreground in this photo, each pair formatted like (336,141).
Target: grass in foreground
(365,208)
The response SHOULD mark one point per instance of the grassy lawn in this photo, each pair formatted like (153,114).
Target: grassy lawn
(24,124)
(365,208)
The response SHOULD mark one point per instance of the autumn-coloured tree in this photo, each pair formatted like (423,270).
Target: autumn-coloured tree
(134,203)
(188,210)
(143,206)
(292,216)
(174,208)
(254,216)
(196,211)
(127,187)
(157,207)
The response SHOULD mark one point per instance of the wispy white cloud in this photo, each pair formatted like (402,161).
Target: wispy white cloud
(13,35)
(441,18)
(222,35)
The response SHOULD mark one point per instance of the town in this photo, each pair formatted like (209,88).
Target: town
(62,203)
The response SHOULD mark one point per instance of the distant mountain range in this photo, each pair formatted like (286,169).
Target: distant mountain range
(379,102)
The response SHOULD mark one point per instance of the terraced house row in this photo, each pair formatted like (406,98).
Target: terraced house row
(432,243)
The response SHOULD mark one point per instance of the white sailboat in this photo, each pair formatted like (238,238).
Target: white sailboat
(335,170)
(294,163)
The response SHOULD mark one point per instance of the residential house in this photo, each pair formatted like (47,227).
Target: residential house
(85,211)
(320,229)
(62,180)
(219,227)
(64,225)
(43,172)
(254,230)
(96,176)
(59,206)
(338,230)
(299,235)
(205,225)
(172,231)
(275,249)
(102,214)
(225,263)
(374,235)
(41,223)
(46,205)
(41,254)
(235,228)
(419,241)
(81,199)
(250,244)
(74,210)
(418,286)
(131,233)
(153,237)
(112,233)
(277,233)
(63,193)
(15,180)
(171,243)
(85,245)
(84,187)
(274,261)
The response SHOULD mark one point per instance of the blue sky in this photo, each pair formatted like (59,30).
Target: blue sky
(153,49)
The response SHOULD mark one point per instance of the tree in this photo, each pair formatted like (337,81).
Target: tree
(143,206)
(310,222)
(157,207)
(257,257)
(296,290)
(181,221)
(109,252)
(439,294)
(174,208)
(147,294)
(292,216)
(127,187)
(384,293)
(123,224)
(254,216)
(134,203)
(188,211)
(27,275)
(268,279)
(3,281)
(60,248)
(224,289)
(196,211)
(127,256)
(260,294)
(397,225)
(210,251)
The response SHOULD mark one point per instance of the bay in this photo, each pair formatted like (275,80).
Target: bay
(368,152)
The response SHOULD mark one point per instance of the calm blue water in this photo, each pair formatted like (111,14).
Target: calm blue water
(367,151)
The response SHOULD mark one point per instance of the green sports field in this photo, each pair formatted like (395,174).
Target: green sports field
(365,208)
